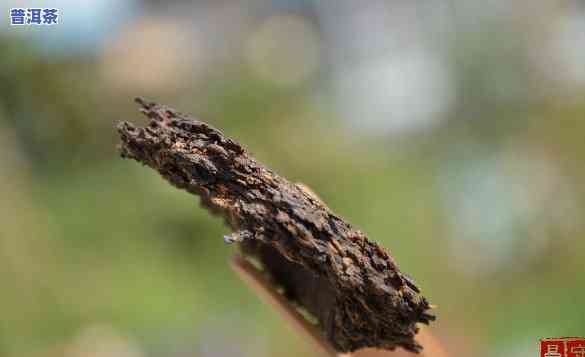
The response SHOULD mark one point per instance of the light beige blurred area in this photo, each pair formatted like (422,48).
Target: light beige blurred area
(284,50)
(451,132)
(130,64)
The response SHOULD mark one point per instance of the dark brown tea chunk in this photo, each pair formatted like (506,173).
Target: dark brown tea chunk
(350,284)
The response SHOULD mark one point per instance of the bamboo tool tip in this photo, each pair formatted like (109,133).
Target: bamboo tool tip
(264,289)
(260,285)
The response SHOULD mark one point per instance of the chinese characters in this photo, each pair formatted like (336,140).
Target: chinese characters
(34,16)
(562,347)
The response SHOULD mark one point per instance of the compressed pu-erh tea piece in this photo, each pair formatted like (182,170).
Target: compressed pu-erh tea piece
(350,284)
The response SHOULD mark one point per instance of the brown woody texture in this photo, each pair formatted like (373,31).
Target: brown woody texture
(350,284)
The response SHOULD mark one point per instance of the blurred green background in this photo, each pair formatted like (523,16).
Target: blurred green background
(451,132)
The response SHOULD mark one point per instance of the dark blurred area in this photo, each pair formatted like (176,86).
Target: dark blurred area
(452,132)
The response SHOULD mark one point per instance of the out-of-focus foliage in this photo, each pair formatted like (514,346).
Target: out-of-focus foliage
(483,206)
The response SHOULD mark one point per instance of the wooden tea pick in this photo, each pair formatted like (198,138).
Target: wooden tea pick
(263,288)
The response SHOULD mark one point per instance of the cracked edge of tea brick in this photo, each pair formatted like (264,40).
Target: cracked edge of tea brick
(351,284)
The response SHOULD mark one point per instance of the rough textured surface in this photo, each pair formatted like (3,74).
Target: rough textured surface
(349,283)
